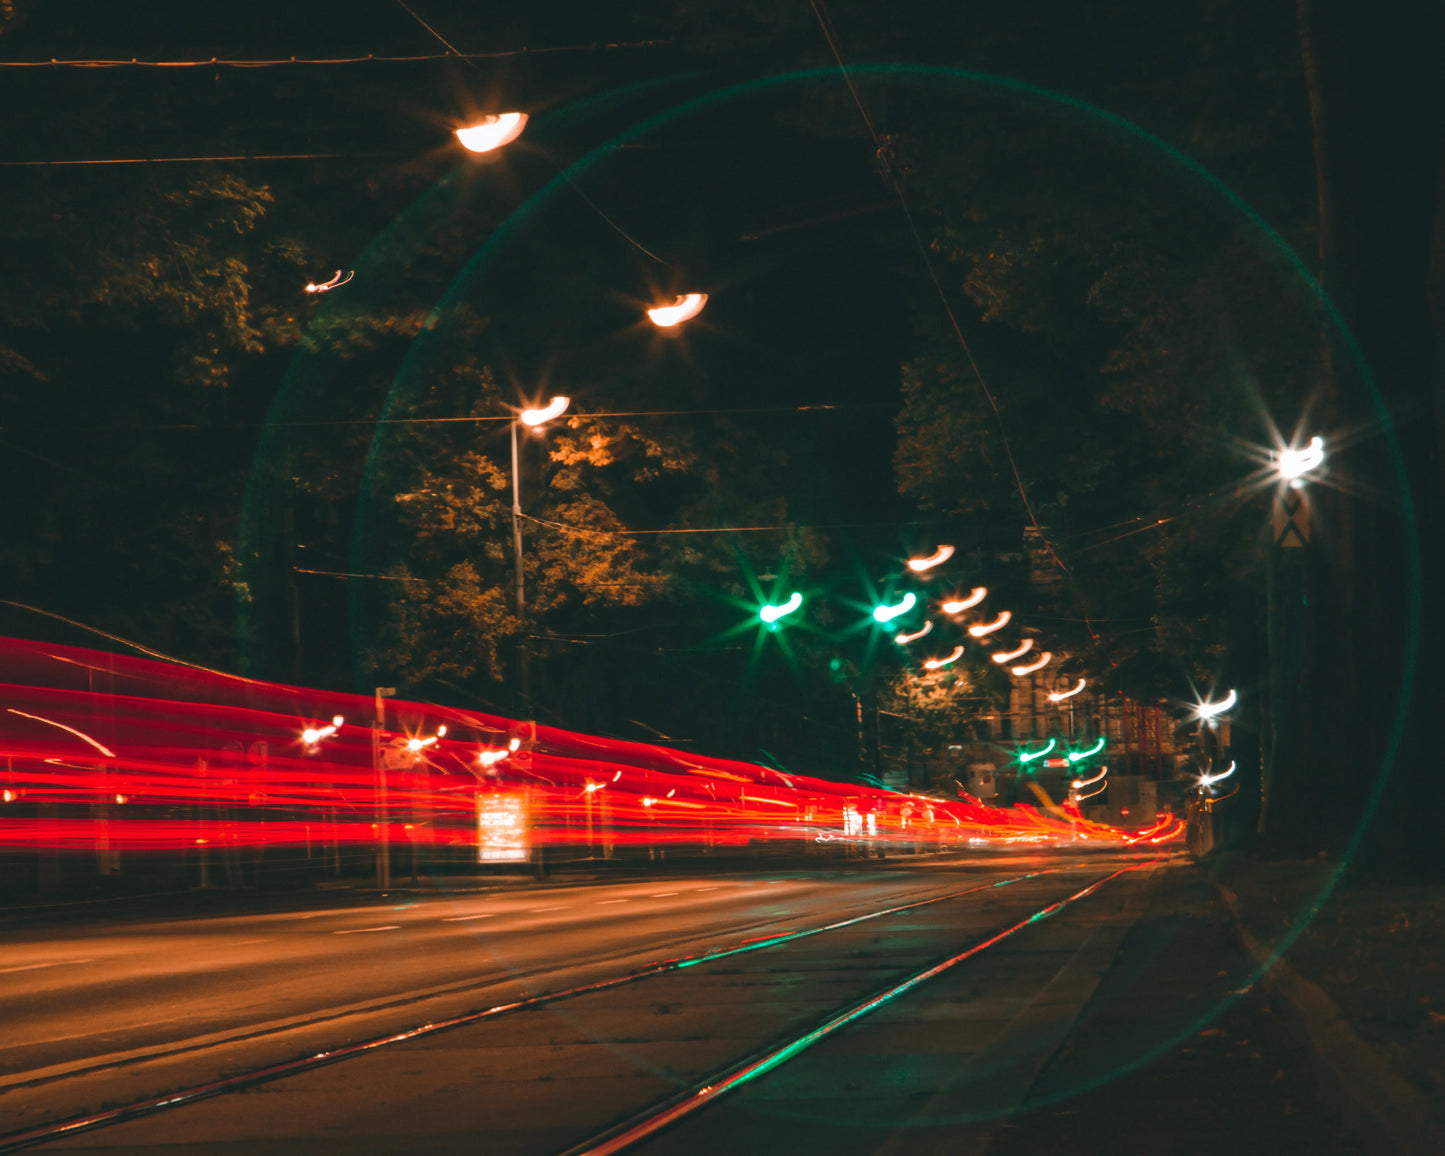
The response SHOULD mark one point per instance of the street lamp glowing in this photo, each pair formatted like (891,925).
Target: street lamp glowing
(1077,756)
(919,565)
(1003,656)
(1206,711)
(936,663)
(959,605)
(313,735)
(415,745)
(771,614)
(554,408)
(685,308)
(904,639)
(492,132)
(1042,662)
(1207,780)
(888,613)
(1077,783)
(1060,695)
(984,629)
(1291,464)
(492,758)
(1038,754)
(335,283)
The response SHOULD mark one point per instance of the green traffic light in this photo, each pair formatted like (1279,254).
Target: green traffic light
(888,613)
(771,613)
(1075,756)
(1038,754)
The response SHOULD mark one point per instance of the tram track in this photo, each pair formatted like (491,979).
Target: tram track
(261,1074)
(701,1094)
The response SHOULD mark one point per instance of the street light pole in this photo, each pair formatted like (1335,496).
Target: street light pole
(532,418)
(378,762)
(1284,612)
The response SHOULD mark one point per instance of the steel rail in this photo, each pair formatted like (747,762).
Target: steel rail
(624,1135)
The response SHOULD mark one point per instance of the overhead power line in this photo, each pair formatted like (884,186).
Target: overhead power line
(369,58)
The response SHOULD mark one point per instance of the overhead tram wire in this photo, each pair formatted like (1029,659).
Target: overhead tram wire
(883,153)
(199,427)
(369,58)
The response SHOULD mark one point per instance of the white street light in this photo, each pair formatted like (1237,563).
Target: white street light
(553,409)
(1207,711)
(1060,695)
(492,132)
(313,735)
(1292,464)
(1208,780)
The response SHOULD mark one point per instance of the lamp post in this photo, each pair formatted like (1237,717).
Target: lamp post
(532,419)
(383,843)
(1285,598)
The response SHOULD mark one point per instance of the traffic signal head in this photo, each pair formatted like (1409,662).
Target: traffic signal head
(769,614)
(885,613)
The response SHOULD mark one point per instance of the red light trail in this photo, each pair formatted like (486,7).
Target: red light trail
(139,755)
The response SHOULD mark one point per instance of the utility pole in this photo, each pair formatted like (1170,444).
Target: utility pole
(383,842)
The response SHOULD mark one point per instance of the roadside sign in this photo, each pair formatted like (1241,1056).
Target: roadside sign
(1290,519)
(502,835)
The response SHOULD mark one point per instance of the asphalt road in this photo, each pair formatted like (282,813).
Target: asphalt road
(942,1066)
(83,1003)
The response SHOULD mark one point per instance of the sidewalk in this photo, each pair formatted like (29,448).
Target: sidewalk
(1366,974)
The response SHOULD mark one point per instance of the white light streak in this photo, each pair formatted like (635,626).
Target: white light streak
(1060,695)
(983,629)
(492,132)
(959,605)
(1042,662)
(1003,656)
(685,308)
(335,283)
(935,663)
(904,639)
(106,751)
(941,555)
(1291,463)
(554,408)
(773,613)
(1210,780)
(902,606)
(313,735)
(1209,710)
(1085,782)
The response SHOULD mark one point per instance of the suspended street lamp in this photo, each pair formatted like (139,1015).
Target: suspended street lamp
(936,663)
(492,132)
(1060,695)
(904,639)
(1003,656)
(685,308)
(941,555)
(1043,661)
(983,629)
(959,605)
